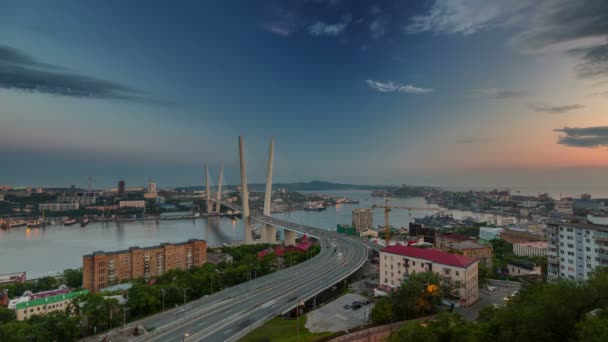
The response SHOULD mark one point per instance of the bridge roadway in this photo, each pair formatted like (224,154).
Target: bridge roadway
(230,314)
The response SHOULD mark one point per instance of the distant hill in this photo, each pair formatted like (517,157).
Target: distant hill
(303,186)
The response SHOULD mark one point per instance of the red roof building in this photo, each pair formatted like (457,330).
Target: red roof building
(458,272)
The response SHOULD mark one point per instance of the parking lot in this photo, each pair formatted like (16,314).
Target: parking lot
(487,297)
(334,317)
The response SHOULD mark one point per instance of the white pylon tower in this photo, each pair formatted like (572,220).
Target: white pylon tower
(244,189)
(208,192)
(219,188)
(270,231)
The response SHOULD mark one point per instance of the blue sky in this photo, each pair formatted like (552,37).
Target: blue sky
(437,92)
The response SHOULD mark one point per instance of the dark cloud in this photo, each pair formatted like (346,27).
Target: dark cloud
(20,71)
(555,109)
(564,22)
(499,93)
(583,137)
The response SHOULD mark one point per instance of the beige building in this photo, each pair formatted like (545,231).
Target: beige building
(457,271)
(538,248)
(58,206)
(467,246)
(132,204)
(363,219)
(42,306)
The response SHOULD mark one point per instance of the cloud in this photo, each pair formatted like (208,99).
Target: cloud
(541,25)
(465,16)
(378,28)
(20,71)
(391,87)
(320,28)
(583,137)
(555,109)
(469,141)
(495,93)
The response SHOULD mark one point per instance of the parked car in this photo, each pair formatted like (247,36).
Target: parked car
(357,307)
(491,288)
(347,306)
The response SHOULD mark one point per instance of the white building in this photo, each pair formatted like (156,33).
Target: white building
(538,248)
(501,221)
(574,250)
(58,206)
(490,233)
(132,204)
(457,271)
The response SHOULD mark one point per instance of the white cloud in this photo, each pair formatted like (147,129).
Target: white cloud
(391,87)
(496,93)
(320,28)
(467,16)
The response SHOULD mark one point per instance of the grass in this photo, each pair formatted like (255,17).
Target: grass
(282,330)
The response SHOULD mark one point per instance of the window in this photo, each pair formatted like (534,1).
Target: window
(457,273)
(588,249)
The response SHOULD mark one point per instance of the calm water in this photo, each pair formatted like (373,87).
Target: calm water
(50,250)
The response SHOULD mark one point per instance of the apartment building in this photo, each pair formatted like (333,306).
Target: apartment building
(458,271)
(102,269)
(58,206)
(132,204)
(574,250)
(363,219)
(454,242)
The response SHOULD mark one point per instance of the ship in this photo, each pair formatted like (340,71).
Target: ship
(69,222)
(37,224)
(84,222)
(16,224)
(318,206)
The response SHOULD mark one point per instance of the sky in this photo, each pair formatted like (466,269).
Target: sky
(433,92)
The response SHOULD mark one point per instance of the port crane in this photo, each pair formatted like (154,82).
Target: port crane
(387,209)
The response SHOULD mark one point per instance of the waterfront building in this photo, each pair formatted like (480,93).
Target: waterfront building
(467,246)
(12,278)
(82,198)
(132,204)
(518,268)
(574,250)
(103,269)
(489,233)
(42,306)
(538,248)
(397,263)
(501,221)
(363,219)
(58,206)
(122,186)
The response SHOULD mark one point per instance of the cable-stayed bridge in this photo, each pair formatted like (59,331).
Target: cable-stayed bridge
(230,314)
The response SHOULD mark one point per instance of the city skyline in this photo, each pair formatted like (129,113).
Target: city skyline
(378,92)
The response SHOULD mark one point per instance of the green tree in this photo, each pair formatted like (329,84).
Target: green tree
(446,327)
(6,315)
(593,329)
(382,311)
(73,278)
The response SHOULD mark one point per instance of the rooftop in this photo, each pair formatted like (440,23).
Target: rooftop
(580,225)
(50,300)
(145,248)
(537,244)
(456,236)
(523,264)
(431,254)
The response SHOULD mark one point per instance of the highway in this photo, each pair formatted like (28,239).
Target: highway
(230,314)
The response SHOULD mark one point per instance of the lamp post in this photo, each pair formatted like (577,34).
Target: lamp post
(124,321)
(298,320)
(186,334)
(163,293)
(185,290)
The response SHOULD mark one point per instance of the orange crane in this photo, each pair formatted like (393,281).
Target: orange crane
(387,208)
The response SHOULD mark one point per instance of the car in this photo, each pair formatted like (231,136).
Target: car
(357,303)
(347,306)
(357,307)
(491,288)
(367,302)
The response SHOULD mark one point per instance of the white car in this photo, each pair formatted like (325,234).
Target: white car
(491,288)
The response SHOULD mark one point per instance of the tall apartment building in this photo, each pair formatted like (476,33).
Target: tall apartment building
(102,269)
(122,187)
(575,249)
(458,271)
(454,242)
(363,219)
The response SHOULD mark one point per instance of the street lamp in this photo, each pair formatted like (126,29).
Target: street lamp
(163,293)
(298,320)
(186,334)
(185,290)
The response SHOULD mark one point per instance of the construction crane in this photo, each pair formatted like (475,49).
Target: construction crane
(387,208)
